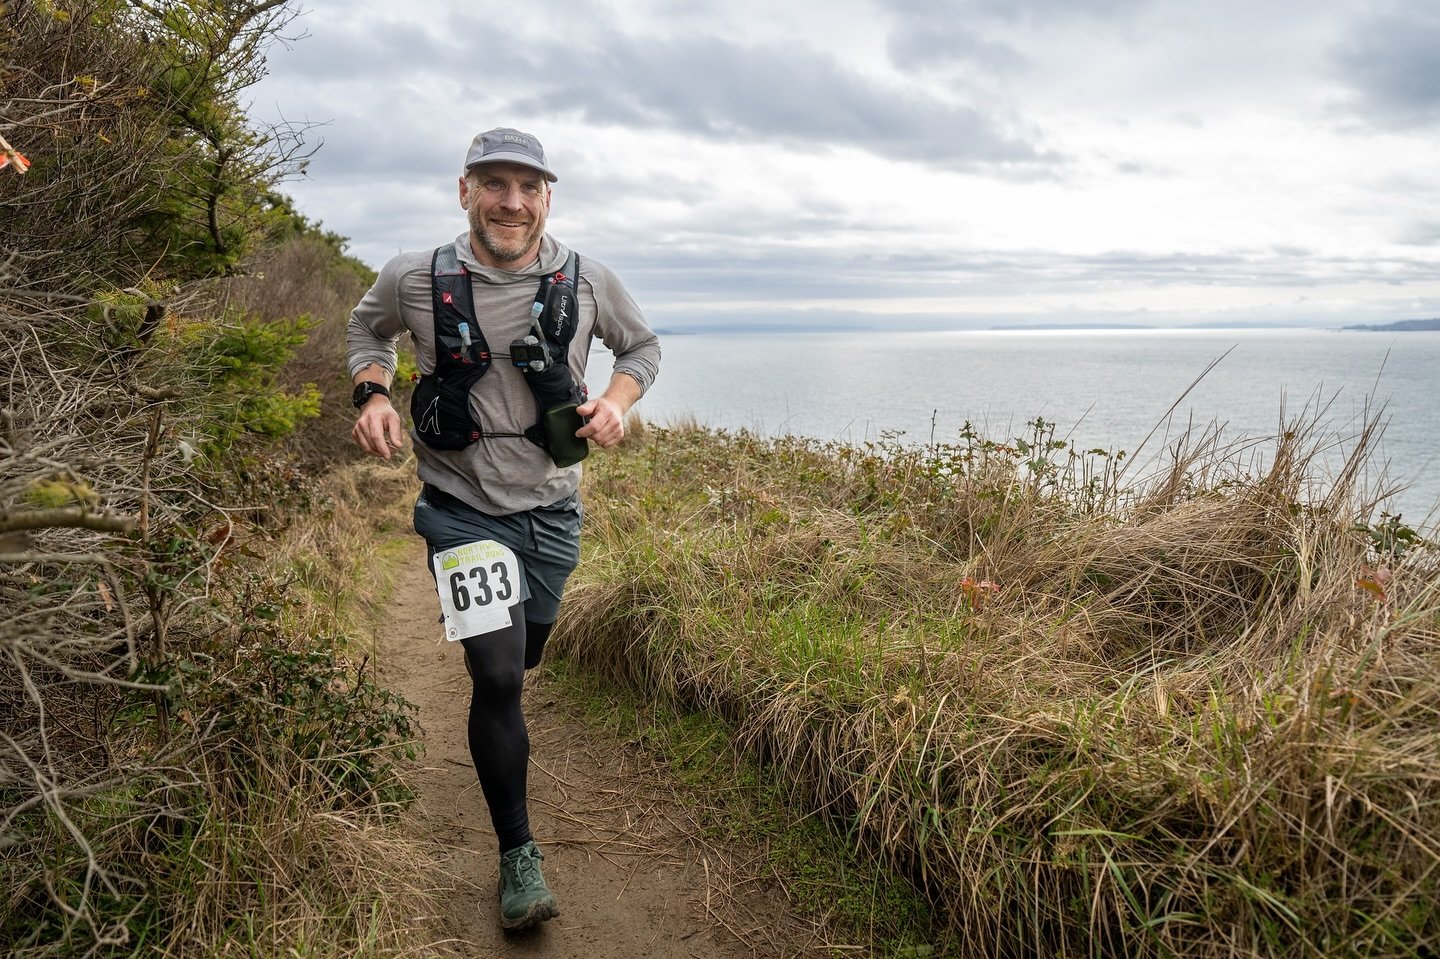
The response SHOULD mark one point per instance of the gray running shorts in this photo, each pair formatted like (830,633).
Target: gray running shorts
(545,539)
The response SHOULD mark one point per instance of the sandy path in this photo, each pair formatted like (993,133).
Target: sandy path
(620,849)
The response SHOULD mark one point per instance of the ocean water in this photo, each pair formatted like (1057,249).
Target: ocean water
(1110,389)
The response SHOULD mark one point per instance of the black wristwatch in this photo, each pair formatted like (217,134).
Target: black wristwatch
(365,390)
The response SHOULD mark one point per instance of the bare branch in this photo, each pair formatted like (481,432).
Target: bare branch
(67,517)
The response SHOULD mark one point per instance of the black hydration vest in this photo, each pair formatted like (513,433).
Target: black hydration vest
(440,406)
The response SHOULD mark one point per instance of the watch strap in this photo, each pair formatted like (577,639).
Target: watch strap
(365,390)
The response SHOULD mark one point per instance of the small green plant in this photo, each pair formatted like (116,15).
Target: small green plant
(247,357)
(1390,539)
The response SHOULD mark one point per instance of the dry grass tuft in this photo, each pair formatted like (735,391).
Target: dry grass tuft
(1191,716)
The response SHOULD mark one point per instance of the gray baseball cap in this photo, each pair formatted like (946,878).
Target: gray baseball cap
(504,145)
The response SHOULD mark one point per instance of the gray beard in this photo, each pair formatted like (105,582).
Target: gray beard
(502,253)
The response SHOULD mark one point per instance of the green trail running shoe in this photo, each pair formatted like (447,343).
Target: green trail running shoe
(524,898)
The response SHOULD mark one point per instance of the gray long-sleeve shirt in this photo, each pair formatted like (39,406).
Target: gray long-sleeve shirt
(501,474)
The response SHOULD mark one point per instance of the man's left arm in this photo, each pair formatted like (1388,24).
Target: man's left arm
(622,328)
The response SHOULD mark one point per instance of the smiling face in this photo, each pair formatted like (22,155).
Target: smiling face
(507,204)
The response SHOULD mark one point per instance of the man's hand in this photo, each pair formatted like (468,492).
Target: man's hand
(379,430)
(607,422)
(607,412)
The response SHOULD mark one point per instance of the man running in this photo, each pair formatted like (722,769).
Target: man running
(502,332)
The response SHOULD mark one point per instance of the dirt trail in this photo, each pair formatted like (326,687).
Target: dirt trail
(621,852)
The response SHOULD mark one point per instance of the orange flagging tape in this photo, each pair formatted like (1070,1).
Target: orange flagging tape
(9,156)
(17,159)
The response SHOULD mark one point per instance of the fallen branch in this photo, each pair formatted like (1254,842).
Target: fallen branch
(74,517)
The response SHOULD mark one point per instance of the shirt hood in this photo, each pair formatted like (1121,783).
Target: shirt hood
(552,257)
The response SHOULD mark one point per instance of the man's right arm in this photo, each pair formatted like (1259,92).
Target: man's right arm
(378,431)
(375,326)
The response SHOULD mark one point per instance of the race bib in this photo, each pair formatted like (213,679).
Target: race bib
(478,583)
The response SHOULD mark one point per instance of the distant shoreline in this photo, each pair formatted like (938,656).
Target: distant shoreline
(1399,326)
(768,329)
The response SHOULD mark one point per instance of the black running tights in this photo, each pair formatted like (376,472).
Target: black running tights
(499,743)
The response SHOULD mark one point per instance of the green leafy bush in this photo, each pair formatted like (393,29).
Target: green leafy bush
(249,356)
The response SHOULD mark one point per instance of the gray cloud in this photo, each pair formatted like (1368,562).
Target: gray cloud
(355,50)
(1049,10)
(717,89)
(405,95)
(697,281)
(941,34)
(725,91)
(1392,65)
(941,16)
(961,36)
(923,44)
(1421,233)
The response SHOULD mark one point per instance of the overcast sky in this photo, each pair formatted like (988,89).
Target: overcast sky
(915,163)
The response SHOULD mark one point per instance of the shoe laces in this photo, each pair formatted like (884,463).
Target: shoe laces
(525,868)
